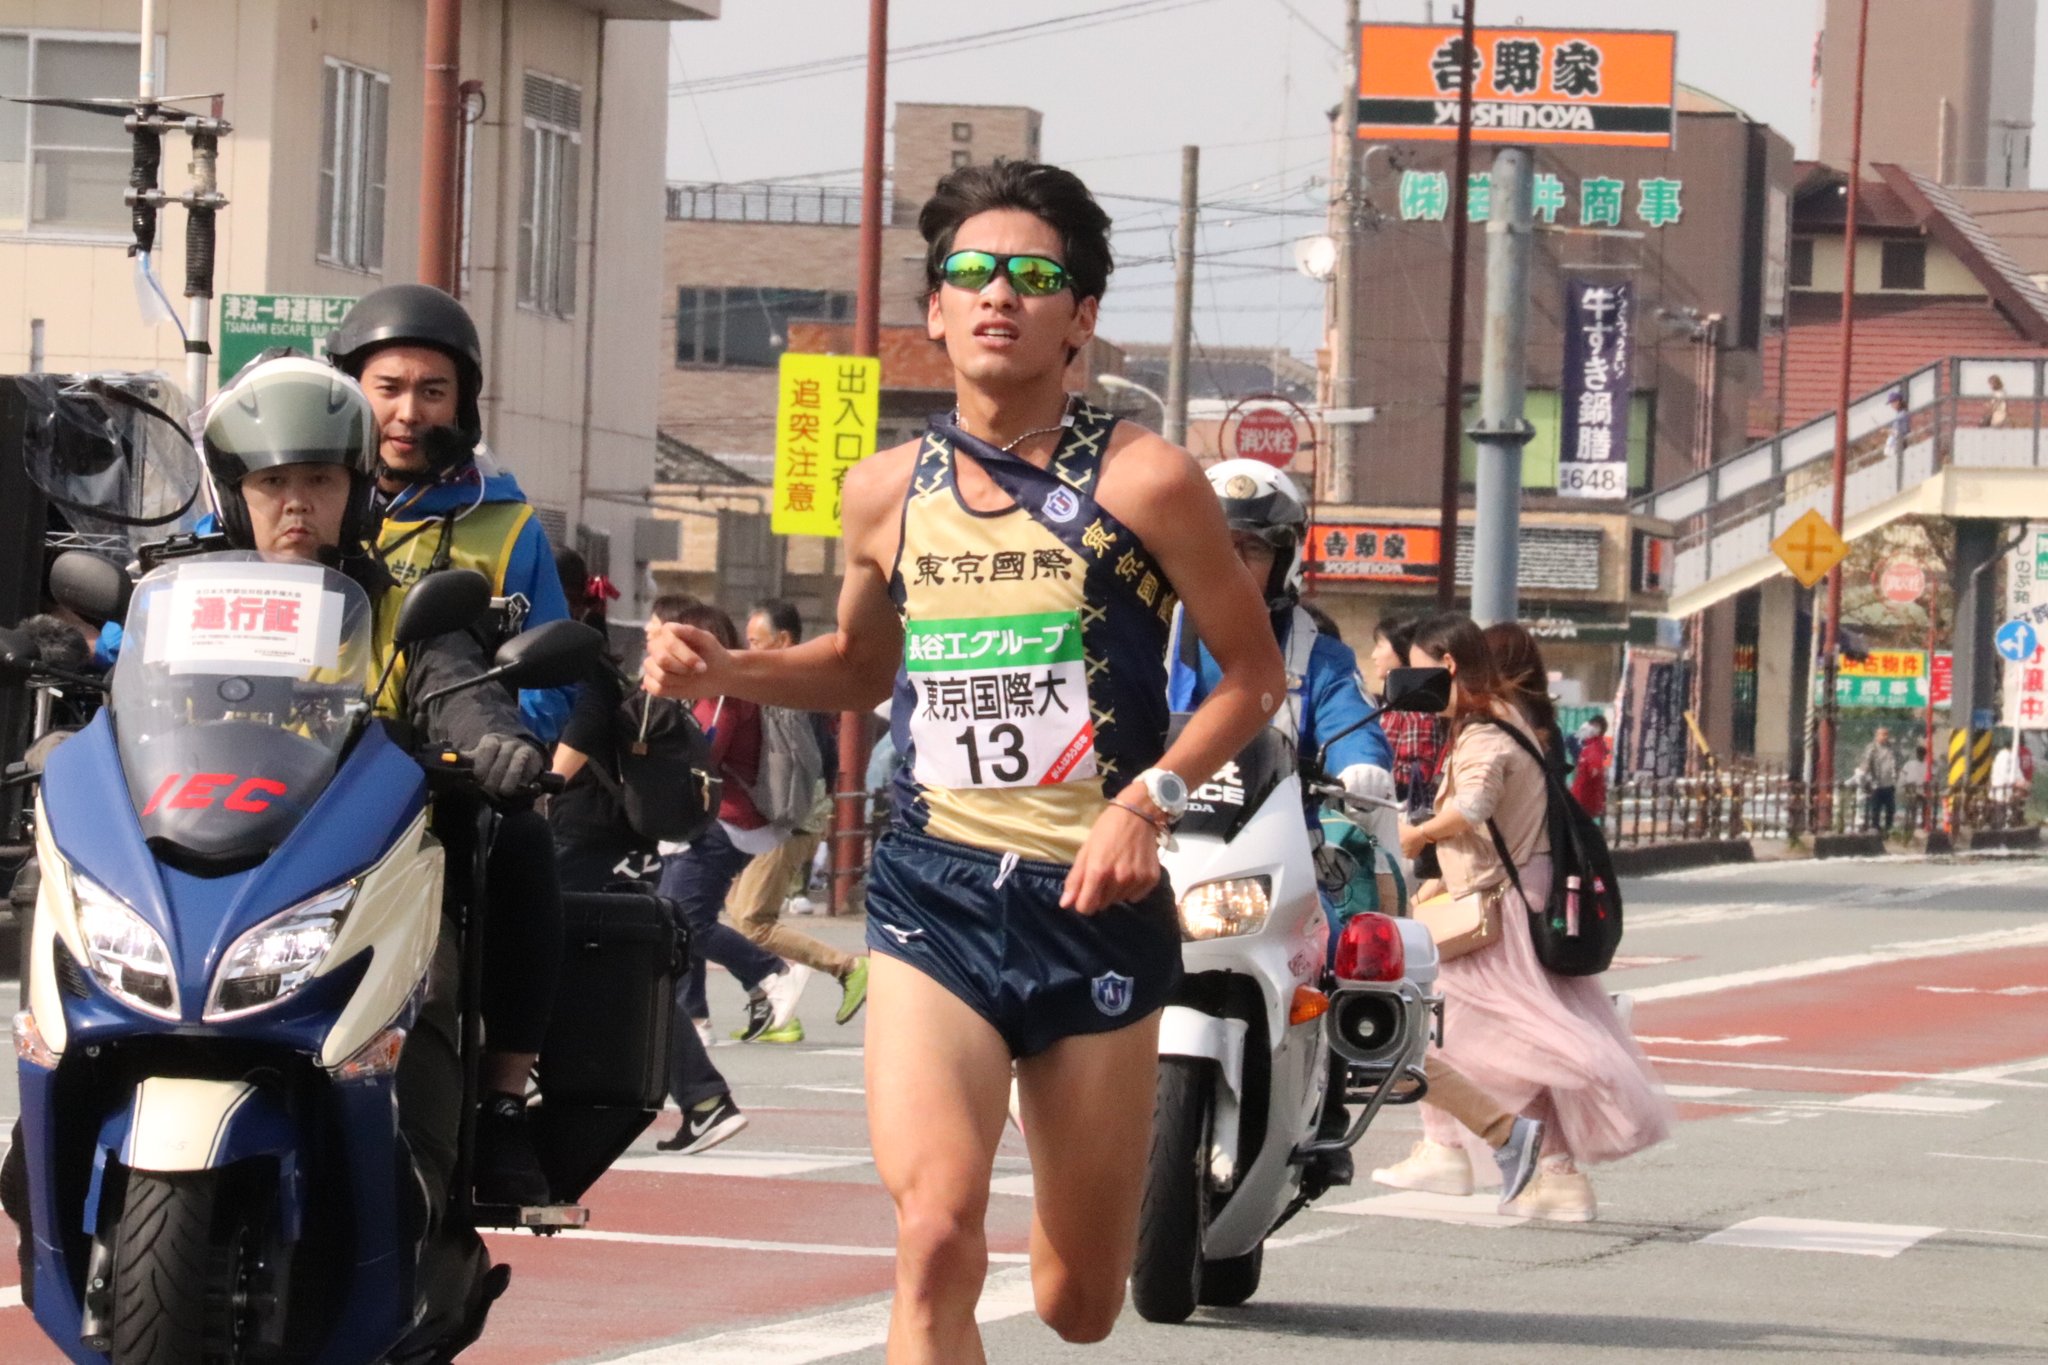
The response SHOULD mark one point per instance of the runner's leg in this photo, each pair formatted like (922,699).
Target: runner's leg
(938,1085)
(1087,1105)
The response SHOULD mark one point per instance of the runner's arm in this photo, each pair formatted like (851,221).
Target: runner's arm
(854,667)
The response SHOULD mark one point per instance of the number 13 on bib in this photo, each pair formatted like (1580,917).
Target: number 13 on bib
(1002,701)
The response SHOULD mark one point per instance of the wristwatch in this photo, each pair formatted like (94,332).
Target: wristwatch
(1167,790)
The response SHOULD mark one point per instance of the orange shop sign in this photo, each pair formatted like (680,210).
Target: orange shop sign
(1531,86)
(1384,554)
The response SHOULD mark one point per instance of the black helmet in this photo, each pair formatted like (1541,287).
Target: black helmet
(291,410)
(416,315)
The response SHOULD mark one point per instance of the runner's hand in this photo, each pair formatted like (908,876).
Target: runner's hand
(683,662)
(1119,863)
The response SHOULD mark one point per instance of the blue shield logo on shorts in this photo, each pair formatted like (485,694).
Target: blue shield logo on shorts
(1112,993)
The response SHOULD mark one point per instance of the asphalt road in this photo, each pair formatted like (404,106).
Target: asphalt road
(1859,1052)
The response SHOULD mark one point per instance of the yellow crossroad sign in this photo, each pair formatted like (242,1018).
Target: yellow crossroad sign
(1810,547)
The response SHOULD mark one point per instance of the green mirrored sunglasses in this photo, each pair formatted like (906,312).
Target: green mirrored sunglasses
(1033,276)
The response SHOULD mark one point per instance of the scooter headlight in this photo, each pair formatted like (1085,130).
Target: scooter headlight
(126,956)
(1224,909)
(279,955)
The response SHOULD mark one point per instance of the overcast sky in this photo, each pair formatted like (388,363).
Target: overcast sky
(1249,81)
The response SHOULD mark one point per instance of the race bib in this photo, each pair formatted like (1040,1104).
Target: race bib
(1002,701)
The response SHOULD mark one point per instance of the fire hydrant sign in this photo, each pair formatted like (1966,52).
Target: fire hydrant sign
(827,410)
(2026,599)
(275,621)
(252,323)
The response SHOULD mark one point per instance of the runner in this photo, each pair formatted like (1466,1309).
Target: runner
(1027,551)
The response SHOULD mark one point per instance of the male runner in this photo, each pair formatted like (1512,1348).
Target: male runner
(1014,571)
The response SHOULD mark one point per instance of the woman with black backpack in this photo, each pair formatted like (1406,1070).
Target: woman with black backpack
(1547,1045)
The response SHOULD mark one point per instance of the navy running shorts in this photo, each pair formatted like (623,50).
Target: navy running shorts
(989,928)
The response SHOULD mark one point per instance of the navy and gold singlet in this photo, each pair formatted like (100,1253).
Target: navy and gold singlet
(1033,685)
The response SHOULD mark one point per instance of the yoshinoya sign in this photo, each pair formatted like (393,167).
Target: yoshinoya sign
(1385,554)
(1570,87)
(1599,352)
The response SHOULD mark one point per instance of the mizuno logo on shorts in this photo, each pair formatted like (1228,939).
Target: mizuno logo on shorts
(905,937)
(1112,992)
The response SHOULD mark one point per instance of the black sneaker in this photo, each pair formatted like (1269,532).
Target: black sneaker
(760,1014)
(507,1168)
(705,1126)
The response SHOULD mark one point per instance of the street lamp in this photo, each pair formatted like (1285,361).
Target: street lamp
(1115,383)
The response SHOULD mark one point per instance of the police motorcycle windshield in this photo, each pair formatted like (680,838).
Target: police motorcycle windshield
(240,682)
(1221,807)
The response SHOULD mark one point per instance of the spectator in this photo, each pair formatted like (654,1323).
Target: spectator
(1900,424)
(1548,1046)
(1877,771)
(1913,786)
(1518,663)
(1589,779)
(1995,415)
(1417,740)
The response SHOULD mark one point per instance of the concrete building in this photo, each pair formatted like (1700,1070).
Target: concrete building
(1699,232)
(1949,88)
(562,227)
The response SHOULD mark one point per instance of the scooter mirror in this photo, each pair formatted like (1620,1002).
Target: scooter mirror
(554,655)
(446,600)
(18,655)
(1418,689)
(97,589)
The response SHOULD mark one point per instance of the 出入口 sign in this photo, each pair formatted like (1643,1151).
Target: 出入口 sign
(1555,87)
(826,413)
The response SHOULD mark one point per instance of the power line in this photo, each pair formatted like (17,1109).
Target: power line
(912,52)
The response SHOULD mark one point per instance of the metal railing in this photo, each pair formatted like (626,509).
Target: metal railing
(1732,511)
(1769,803)
(759,202)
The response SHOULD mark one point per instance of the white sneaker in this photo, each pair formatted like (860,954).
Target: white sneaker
(1432,1168)
(1556,1197)
(784,990)
(802,905)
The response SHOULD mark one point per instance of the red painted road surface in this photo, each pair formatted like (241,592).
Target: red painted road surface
(583,1300)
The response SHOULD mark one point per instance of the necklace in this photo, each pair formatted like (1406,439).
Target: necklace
(1066,420)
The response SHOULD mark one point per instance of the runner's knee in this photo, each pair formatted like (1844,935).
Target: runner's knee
(940,1243)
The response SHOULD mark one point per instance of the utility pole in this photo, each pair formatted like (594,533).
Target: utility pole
(1502,431)
(849,805)
(1343,462)
(1825,776)
(1454,355)
(438,130)
(1176,416)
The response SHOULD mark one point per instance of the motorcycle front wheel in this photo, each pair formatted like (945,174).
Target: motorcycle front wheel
(184,1258)
(1232,1281)
(1166,1279)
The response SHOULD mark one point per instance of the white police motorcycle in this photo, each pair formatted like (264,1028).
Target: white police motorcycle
(1245,1043)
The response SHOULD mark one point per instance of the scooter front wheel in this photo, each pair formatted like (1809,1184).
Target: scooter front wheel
(1166,1278)
(179,1276)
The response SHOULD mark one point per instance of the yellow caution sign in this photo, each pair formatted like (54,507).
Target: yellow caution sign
(1809,547)
(827,409)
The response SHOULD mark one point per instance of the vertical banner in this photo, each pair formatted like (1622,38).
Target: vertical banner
(1599,351)
(2019,636)
(827,409)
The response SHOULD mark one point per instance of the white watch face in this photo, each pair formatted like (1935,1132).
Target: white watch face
(1168,790)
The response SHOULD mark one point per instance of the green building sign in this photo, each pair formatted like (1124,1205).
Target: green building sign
(252,323)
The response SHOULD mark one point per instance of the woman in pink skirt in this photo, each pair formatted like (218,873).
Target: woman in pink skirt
(1549,1046)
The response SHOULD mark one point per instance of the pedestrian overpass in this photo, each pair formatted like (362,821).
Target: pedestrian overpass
(1952,464)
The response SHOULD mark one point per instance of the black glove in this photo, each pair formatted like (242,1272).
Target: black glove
(505,765)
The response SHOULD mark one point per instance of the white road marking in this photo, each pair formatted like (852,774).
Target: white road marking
(1704,1092)
(1719,912)
(1471,1210)
(1624,962)
(664,1239)
(837,1052)
(2003,1071)
(1738,1040)
(1994,1232)
(1968,1077)
(1019,1185)
(10,1297)
(1975,1156)
(829,1089)
(1306,1238)
(749,1164)
(1920,950)
(825,1336)
(1984,990)
(1821,1234)
(1915,1104)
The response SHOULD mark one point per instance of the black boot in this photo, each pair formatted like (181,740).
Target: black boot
(508,1170)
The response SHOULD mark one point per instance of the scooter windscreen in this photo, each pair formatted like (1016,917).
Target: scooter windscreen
(1223,805)
(240,680)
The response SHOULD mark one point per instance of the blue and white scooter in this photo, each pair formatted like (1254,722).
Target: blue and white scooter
(243,885)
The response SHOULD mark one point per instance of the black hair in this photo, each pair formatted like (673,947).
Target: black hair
(1325,623)
(573,570)
(782,615)
(691,611)
(1398,632)
(1046,192)
(1599,722)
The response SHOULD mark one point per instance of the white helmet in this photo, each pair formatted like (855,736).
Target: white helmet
(1261,500)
